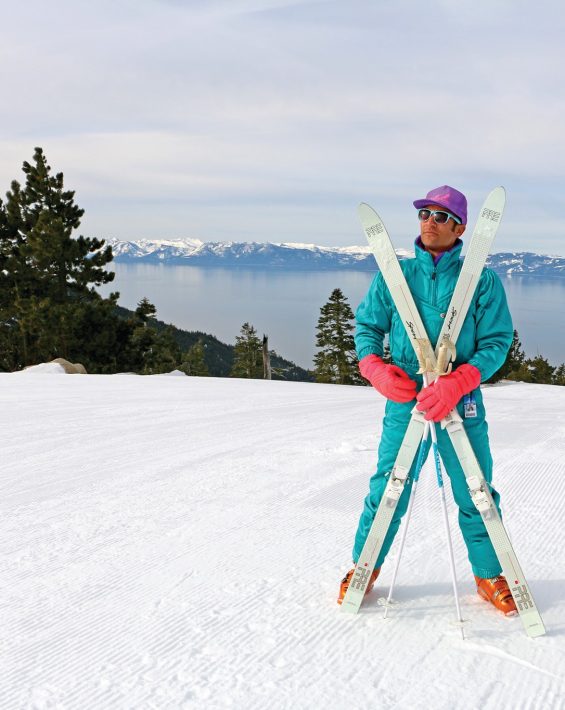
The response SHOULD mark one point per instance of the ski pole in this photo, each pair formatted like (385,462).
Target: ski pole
(437,463)
(419,465)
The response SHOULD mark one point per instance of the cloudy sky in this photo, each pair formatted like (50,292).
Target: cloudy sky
(271,119)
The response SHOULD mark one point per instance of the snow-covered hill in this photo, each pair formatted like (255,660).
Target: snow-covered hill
(302,256)
(174,542)
(266,255)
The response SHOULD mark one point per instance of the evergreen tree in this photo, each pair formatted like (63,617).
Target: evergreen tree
(514,360)
(145,311)
(99,339)
(193,362)
(152,352)
(336,362)
(248,354)
(47,276)
(559,375)
(537,370)
(542,371)
(167,354)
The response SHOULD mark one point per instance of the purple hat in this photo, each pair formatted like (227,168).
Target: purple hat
(447,197)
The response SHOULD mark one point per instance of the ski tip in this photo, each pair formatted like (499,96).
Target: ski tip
(364,208)
(494,202)
(367,213)
(499,193)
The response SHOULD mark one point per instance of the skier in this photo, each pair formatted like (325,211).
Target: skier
(482,346)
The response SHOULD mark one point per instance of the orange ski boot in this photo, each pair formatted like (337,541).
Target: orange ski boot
(497,592)
(347,579)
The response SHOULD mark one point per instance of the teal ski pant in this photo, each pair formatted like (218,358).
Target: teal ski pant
(480,550)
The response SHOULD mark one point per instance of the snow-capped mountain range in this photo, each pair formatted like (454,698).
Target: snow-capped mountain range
(297,257)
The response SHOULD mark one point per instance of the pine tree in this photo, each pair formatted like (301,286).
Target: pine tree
(248,354)
(47,275)
(167,354)
(145,311)
(536,370)
(194,362)
(559,375)
(99,339)
(336,362)
(514,360)
(541,370)
(152,352)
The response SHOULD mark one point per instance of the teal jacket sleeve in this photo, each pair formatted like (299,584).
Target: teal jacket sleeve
(493,325)
(373,319)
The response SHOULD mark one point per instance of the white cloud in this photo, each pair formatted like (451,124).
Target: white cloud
(297,110)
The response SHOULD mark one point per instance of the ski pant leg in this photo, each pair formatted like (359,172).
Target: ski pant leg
(482,556)
(395,424)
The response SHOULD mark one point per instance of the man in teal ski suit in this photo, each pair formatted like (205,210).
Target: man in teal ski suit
(482,346)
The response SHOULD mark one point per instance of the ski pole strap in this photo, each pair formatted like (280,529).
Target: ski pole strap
(437,465)
(421,452)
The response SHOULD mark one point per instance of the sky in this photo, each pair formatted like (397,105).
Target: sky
(270,120)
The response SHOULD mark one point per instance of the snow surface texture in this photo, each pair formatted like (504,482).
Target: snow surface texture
(178,542)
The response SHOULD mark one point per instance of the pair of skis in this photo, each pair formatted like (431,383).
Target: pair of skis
(434,363)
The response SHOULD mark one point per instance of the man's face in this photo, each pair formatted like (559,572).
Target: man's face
(438,238)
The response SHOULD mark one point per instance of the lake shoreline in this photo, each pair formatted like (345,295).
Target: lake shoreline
(285,305)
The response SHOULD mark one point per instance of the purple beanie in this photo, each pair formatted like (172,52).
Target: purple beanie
(447,197)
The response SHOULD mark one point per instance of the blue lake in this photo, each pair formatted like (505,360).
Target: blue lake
(286,305)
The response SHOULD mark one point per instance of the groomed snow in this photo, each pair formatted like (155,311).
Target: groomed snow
(175,542)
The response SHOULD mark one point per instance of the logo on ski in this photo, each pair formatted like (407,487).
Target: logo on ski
(360,578)
(410,325)
(491,215)
(522,597)
(451,318)
(374,230)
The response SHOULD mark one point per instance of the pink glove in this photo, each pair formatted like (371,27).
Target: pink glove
(389,380)
(438,400)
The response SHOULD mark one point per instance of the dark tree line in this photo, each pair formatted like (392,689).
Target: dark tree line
(521,369)
(49,306)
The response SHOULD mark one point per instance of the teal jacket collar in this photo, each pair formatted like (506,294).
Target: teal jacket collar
(448,261)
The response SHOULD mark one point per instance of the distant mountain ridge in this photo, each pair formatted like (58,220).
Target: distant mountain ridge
(301,257)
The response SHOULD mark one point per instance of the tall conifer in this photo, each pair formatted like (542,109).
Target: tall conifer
(47,275)
(336,361)
(194,362)
(513,362)
(248,354)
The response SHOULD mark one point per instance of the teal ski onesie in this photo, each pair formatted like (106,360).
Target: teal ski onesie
(484,341)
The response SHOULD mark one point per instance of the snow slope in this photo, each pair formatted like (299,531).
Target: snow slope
(175,542)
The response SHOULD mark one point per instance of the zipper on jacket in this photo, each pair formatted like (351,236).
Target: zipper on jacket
(434,289)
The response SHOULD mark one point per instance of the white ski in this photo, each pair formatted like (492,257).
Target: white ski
(482,498)
(438,362)
(386,258)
